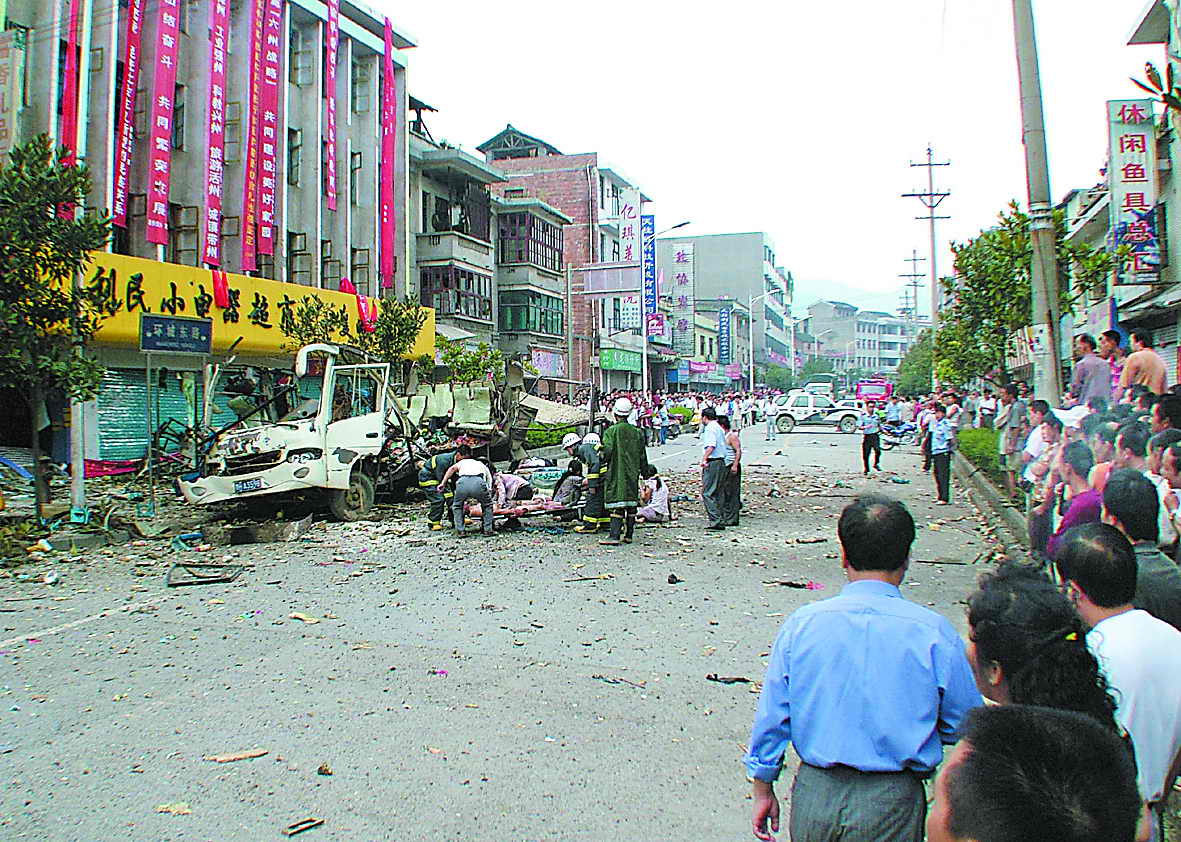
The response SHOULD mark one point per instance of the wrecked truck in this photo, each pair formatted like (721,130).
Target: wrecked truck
(338,429)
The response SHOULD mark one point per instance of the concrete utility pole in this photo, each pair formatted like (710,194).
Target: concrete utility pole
(910,290)
(931,200)
(1043,276)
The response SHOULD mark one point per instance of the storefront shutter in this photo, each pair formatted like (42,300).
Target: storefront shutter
(122,416)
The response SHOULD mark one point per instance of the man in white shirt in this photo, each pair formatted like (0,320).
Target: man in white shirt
(771,417)
(473,481)
(714,452)
(1035,444)
(1139,654)
(1131,451)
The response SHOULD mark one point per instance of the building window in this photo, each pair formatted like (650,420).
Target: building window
(178,117)
(266,266)
(454,291)
(182,234)
(294,155)
(329,267)
(537,312)
(617,314)
(299,260)
(524,238)
(355,164)
(233,132)
(427,209)
(615,250)
(360,86)
(359,268)
(299,58)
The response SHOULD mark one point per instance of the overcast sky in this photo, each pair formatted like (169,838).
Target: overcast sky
(798,119)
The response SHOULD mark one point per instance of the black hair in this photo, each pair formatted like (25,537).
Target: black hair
(1079,457)
(1142,336)
(1087,340)
(1053,420)
(876,533)
(1011,388)
(1164,438)
(1169,407)
(709,412)
(1101,560)
(1039,405)
(464,450)
(1131,498)
(1133,437)
(724,422)
(1023,622)
(1097,404)
(1032,772)
(1112,335)
(1121,411)
(1091,424)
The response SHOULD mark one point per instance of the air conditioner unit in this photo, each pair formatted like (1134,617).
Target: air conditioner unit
(188,217)
(297,243)
(301,264)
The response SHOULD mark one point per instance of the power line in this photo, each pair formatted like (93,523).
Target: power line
(931,199)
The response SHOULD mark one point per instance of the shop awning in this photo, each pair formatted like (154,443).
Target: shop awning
(452,333)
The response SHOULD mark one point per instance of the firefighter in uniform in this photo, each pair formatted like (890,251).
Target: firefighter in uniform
(429,476)
(594,515)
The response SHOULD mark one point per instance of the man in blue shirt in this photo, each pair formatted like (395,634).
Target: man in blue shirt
(942,433)
(870,428)
(894,411)
(868,687)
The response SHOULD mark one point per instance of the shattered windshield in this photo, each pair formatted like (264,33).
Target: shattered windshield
(307,398)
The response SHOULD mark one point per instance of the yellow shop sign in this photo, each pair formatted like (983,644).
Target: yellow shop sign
(258,310)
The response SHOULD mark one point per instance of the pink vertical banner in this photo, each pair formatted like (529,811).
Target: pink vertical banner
(272,68)
(124,133)
(215,135)
(253,121)
(389,113)
(330,94)
(160,121)
(69,120)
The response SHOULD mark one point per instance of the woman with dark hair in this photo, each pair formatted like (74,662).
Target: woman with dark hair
(1027,645)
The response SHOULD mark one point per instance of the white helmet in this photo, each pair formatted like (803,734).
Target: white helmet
(592,438)
(623,407)
(569,440)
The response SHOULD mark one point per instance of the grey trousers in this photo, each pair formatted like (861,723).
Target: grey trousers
(732,497)
(845,805)
(713,491)
(467,488)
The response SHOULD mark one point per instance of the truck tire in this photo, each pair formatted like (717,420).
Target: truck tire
(785,423)
(848,424)
(352,503)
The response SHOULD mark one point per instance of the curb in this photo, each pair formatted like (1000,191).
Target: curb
(987,498)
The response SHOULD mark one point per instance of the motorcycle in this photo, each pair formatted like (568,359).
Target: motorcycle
(893,435)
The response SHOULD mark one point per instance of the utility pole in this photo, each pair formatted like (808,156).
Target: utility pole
(910,290)
(931,200)
(1043,276)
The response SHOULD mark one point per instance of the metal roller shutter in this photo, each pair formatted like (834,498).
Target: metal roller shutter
(122,411)
(1165,339)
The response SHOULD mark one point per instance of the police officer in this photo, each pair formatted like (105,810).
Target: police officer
(429,476)
(594,514)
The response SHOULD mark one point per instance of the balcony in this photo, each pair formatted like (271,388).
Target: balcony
(452,246)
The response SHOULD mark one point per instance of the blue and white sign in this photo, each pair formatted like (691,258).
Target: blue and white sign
(648,269)
(175,334)
(724,319)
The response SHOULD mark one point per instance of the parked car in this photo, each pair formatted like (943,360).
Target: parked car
(816,410)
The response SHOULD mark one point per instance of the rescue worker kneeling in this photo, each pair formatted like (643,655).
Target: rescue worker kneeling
(429,477)
(473,482)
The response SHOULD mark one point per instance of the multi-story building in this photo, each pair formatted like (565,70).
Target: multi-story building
(869,340)
(176,182)
(588,193)
(742,267)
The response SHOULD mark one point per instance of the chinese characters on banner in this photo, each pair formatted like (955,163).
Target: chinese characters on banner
(123,129)
(724,315)
(389,113)
(250,174)
(653,318)
(12,56)
(160,121)
(330,94)
(69,106)
(219,29)
(548,363)
(269,128)
(1131,173)
(629,252)
(683,304)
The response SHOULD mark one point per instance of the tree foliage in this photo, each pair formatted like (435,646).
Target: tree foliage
(470,365)
(991,293)
(395,331)
(914,372)
(314,320)
(816,365)
(779,377)
(45,318)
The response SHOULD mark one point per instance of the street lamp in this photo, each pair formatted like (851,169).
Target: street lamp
(750,338)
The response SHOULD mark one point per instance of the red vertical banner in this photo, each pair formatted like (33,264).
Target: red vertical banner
(124,133)
(253,122)
(330,95)
(69,109)
(215,138)
(160,121)
(272,69)
(389,114)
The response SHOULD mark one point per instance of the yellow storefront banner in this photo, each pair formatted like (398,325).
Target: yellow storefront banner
(258,310)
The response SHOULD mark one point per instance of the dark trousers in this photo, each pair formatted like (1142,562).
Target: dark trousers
(942,463)
(732,497)
(440,501)
(846,805)
(713,485)
(926,447)
(871,442)
(472,488)
(594,515)
(623,523)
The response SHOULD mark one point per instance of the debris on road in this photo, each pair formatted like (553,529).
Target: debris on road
(236,756)
(611,679)
(303,618)
(176,808)
(802,584)
(301,826)
(324,769)
(728,679)
(191,573)
(600,577)
(674,579)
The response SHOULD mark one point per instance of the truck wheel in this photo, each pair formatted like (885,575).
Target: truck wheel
(354,502)
(785,423)
(848,424)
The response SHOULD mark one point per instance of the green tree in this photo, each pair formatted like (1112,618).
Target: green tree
(990,294)
(779,377)
(397,327)
(470,365)
(816,365)
(314,320)
(914,372)
(47,317)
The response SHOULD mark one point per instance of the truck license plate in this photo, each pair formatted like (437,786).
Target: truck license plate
(243,485)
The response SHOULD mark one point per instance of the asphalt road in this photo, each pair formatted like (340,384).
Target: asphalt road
(525,687)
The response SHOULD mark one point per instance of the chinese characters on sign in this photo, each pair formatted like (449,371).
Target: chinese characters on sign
(69,104)
(175,334)
(268,157)
(12,55)
(653,318)
(548,363)
(124,130)
(724,319)
(683,304)
(1131,174)
(219,29)
(160,121)
(389,114)
(330,96)
(629,252)
(249,222)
